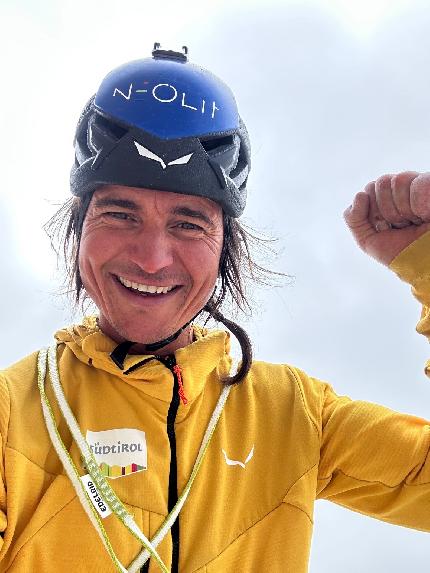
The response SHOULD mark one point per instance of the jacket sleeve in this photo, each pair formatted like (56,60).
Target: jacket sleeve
(4,421)
(413,267)
(373,460)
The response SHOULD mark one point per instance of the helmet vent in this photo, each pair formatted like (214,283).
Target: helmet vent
(240,173)
(215,142)
(111,128)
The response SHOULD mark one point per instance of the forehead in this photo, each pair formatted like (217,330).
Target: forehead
(166,201)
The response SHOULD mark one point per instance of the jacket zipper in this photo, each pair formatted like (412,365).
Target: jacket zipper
(170,362)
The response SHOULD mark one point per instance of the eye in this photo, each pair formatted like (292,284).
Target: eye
(120,215)
(189,226)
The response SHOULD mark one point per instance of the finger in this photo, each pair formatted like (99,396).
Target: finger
(357,219)
(401,187)
(374,215)
(420,196)
(357,213)
(386,205)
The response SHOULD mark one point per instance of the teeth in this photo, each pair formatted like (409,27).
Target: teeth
(145,288)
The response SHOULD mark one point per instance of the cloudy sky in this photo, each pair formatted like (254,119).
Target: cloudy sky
(334,93)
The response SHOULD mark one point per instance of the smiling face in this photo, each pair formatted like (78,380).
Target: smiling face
(149,260)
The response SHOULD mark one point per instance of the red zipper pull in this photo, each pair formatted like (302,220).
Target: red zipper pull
(177,371)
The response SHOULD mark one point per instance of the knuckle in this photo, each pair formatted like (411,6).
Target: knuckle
(383,181)
(420,198)
(421,209)
(398,180)
(401,183)
(404,177)
(370,187)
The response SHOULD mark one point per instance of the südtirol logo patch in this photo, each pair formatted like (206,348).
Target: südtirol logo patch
(119,452)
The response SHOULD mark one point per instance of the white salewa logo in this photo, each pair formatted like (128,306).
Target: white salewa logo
(144,152)
(230,462)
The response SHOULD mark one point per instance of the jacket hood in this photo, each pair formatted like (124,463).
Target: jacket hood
(209,353)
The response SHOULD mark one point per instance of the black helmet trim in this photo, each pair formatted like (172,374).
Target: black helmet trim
(108,153)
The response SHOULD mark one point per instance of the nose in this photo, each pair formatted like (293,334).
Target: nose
(151,250)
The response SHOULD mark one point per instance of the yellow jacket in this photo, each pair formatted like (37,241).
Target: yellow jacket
(295,439)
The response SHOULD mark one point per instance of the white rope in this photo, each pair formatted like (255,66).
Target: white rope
(105,490)
(69,467)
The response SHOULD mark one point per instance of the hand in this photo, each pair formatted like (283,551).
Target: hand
(390,214)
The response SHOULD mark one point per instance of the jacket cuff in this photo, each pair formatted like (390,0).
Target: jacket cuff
(413,266)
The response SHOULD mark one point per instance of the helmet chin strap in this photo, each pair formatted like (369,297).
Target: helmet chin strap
(119,353)
(157,345)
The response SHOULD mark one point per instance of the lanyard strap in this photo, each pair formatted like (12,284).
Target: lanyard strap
(105,490)
(68,463)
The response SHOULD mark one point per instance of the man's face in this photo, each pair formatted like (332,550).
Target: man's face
(149,260)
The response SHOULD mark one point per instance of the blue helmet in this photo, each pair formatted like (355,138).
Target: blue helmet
(163,123)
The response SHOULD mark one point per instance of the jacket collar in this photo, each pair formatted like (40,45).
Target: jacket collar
(208,356)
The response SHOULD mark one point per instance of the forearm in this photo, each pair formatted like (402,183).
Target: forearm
(375,461)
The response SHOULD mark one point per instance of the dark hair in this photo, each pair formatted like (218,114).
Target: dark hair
(237,268)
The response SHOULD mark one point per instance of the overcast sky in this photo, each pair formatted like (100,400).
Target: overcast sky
(334,94)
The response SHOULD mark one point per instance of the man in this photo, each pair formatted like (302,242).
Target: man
(128,446)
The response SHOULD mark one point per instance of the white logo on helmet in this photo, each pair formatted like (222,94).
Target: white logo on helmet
(144,152)
(166,93)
